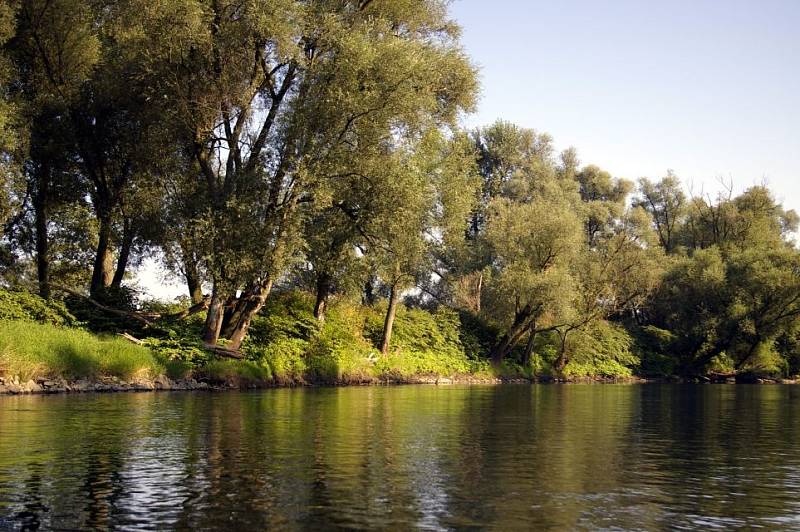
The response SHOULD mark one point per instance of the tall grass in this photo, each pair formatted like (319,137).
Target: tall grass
(29,349)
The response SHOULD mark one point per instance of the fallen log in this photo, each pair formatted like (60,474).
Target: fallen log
(194,309)
(122,313)
(130,338)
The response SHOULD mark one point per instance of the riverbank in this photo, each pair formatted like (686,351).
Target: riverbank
(41,385)
(16,386)
(45,349)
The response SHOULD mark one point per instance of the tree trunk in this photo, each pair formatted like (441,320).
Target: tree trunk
(235,309)
(252,305)
(213,319)
(323,291)
(510,339)
(561,360)
(526,358)
(101,274)
(388,323)
(192,277)
(42,243)
(124,253)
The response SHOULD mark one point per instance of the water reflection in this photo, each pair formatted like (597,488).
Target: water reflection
(419,456)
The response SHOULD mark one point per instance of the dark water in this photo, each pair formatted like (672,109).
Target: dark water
(548,456)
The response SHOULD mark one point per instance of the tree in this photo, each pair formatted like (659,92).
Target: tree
(603,200)
(425,204)
(737,293)
(666,204)
(54,51)
(268,98)
(530,285)
(618,273)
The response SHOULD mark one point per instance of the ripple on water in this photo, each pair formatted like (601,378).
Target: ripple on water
(629,457)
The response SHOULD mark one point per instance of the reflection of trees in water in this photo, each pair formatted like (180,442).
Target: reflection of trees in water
(540,456)
(722,453)
(544,456)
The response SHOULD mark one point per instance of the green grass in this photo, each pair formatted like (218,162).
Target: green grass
(29,350)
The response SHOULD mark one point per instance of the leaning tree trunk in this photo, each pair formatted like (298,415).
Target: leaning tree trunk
(388,323)
(193,283)
(128,235)
(42,242)
(252,305)
(101,273)
(512,337)
(213,323)
(526,358)
(235,310)
(323,291)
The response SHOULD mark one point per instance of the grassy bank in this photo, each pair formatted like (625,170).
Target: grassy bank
(288,346)
(30,350)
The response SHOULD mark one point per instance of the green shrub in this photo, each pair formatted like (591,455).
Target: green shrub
(653,347)
(30,307)
(283,359)
(603,350)
(242,371)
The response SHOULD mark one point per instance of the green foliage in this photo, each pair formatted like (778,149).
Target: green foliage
(653,347)
(235,371)
(27,306)
(286,315)
(39,350)
(604,350)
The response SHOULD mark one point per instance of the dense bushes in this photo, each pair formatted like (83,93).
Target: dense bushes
(28,306)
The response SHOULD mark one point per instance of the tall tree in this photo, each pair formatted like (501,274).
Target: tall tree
(55,49)
(268,95)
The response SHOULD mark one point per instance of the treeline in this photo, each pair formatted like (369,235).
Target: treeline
(260,146)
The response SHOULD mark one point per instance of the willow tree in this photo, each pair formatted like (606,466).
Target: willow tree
(511,160)
(666,203)
(267,96)
(737,292)
(617,274)
(424,205)
(530,287)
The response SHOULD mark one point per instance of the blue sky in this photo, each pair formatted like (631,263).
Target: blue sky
(710,89)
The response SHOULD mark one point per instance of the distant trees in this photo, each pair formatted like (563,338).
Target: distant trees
(733,293)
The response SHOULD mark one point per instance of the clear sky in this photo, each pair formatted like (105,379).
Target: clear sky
(710,89)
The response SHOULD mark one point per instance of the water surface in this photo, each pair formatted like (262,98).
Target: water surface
(515,456)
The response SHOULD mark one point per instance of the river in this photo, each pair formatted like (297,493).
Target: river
(433,457)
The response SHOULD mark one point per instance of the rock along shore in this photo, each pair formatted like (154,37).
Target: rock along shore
(15,386)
